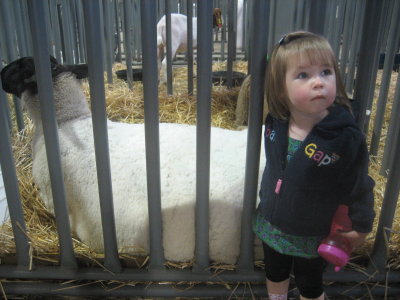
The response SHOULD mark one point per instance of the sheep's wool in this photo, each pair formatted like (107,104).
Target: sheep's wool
(129,184)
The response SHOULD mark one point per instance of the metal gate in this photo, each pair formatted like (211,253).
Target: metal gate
(358,30)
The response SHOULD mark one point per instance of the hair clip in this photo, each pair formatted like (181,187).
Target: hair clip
(282,40)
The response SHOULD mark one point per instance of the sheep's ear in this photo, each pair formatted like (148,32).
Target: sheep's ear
(81,71)
(19,76)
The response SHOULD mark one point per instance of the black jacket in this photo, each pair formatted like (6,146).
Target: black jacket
(329,168)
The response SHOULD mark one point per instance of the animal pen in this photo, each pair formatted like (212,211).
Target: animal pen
(105,33)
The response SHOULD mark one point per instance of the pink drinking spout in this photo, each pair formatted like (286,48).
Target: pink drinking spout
(335,248)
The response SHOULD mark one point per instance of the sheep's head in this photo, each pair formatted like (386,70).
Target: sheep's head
(19,75)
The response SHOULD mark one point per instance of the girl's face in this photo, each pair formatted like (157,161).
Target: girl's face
(310,87)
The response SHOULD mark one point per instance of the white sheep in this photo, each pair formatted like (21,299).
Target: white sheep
(243,102)
(128,172)
(178,38)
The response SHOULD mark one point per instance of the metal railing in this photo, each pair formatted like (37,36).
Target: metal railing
(44,32)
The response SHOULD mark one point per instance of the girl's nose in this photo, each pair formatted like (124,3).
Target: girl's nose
(318,82)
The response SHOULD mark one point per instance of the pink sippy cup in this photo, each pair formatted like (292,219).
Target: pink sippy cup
(336,249)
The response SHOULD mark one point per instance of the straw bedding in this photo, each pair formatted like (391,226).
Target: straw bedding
(126,105)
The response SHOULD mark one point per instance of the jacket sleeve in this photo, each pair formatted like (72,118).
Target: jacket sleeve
(358,188)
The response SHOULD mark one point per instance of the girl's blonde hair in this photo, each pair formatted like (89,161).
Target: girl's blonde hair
(317,50)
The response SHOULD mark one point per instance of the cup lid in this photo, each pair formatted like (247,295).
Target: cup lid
(333,254)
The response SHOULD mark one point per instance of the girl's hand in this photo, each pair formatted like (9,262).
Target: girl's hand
(355,238)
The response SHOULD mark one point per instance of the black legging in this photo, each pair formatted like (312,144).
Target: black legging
(307,271)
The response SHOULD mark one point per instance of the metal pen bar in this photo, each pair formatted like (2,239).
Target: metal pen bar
(7,15)
(384,14)
(44,81)
(137,37)
(152,135)
(232,7)
(72,28)
(365,69)
(127,42)
(224,9)
(337,42)
(380,252)
(108,39)
(143,275)
(355,45)
(200,290)
(317,16)
(94,45)
(348,24)
(393,129)
(26,24)
(392,48)
(80,32)
(11,187)
(204,63)
(64,16)
(22,46)
(168,46)
(118,14)
(55,24)
(261,10)
(190,45)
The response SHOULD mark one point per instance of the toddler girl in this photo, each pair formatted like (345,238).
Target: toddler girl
(316,157)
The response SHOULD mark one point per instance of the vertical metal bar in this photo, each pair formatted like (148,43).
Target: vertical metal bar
(81,57)
(245,36)
(55,24)
(190,45)
(118,24)
(127,41)
(224,28)
(392,48)
(108,39)
(394,127)
(317,16)
(65,20)
(48,26)
(169,46)
(27,26)
(12,191)
(22,46)
(337,42)
(355,43)
(232,8)
(150,93)
(6,111)
(259,47)
(347,29)
(44,81)
(380,254)
(94,45)
(137,32)
(374,61)
(369,47)
(7,15)
(204,63)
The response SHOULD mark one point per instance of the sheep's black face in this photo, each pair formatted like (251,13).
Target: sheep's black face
(19,76)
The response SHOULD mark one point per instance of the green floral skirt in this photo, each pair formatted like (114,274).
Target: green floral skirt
(302,246)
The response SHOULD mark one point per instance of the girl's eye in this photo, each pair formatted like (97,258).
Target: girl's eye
(302,75)
(327,72)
